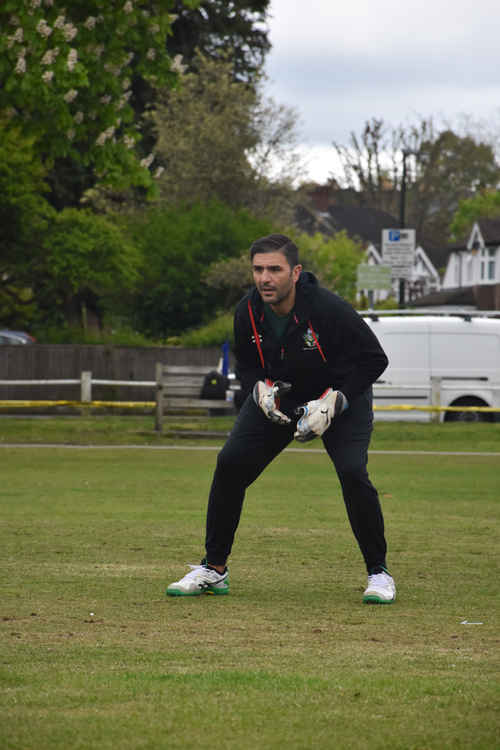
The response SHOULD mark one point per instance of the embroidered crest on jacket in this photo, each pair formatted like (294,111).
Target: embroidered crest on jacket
(309,340)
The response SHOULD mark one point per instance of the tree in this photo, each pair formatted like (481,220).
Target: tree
(66,72)
(24,217)
(218,25)
(442,168)
(178,244)
(485,205)
(334,260)
(88,267)
(216,139)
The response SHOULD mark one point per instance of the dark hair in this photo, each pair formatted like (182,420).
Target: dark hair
(276,243)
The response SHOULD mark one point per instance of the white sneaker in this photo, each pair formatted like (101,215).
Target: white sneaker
(381,589)
(200,580)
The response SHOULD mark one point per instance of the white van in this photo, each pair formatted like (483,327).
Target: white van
(461,350)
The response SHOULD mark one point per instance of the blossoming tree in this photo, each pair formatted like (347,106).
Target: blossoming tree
(66,78)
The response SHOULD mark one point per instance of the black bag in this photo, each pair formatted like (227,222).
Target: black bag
(215,386)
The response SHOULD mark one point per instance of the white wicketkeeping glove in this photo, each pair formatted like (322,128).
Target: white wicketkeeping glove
(266,395)
(316,416)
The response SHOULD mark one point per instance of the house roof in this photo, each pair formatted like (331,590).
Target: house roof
(490,229)
(366,223)
(361,222)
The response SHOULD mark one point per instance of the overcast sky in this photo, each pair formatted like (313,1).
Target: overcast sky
(342,62)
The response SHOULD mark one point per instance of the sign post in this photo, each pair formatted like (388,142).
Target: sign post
(398,251)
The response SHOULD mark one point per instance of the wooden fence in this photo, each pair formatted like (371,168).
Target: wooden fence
(66,361)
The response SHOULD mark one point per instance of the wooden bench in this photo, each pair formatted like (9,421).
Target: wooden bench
(178,387)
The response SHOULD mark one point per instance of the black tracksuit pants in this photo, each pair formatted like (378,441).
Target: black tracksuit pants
(255,441)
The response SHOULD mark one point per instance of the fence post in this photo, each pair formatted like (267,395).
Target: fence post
(159,398)
(86,386)
(435,396)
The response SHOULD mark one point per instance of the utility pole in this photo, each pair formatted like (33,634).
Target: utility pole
(402,209)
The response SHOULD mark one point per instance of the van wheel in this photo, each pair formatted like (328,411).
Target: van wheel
(468,416)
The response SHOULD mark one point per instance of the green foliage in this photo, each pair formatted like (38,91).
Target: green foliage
(214,333)
(85,250)
(333,259)
(485,205)
(231,276)
(217,137)
(178,244)
(89,266)
(67,70)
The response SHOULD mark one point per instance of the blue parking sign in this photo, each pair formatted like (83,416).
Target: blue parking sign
(394,235)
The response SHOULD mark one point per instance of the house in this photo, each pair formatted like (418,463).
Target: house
(366,224)
(472,275)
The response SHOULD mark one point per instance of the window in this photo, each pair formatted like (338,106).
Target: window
(487,264)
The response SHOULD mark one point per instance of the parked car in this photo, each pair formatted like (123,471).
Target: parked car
(463,350)
(16,338)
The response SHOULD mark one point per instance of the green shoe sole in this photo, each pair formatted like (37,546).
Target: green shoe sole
(376,600)
(213,592)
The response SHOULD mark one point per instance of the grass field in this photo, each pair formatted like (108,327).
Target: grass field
(94,655)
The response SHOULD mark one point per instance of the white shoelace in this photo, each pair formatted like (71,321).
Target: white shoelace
(200,574)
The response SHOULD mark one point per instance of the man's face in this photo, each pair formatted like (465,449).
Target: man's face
(275,279)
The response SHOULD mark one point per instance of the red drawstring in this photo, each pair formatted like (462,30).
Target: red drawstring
(317,342)
(256,335)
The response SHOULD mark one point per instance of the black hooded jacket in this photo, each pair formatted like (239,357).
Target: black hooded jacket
(327,344)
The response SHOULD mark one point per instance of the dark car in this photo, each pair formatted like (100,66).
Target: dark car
(16,338)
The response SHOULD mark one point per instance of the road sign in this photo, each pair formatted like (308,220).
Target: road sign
(370,276)
(398,251)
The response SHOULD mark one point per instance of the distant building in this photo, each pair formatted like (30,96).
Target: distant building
(366,225)
(472,275)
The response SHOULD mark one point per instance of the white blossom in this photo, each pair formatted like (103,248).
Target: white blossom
(50,56)
(128,141)
(159,171)
(17,37)
(72,59)
(90,22)
(70,95)
(59,22)
(70,134)
(106,135)
(147,161)
(155,28)
(43,28)
(36,3)
(123,100)
(48,76)
(14,21)
(128,7)
(151,54)
(99,50)
(129,58)
(21,65)
(69,31)
(126,83)
(79,118)
(105,99)
(177,66)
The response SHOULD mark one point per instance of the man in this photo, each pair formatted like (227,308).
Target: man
(307,361)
